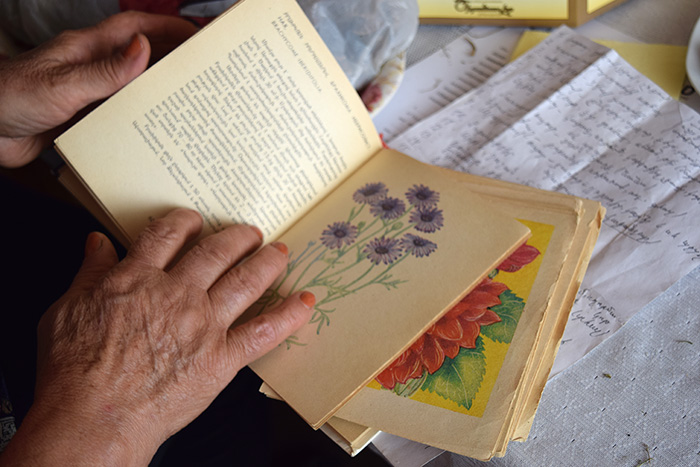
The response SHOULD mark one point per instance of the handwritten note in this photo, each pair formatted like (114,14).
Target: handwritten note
(439,79)
(572,116)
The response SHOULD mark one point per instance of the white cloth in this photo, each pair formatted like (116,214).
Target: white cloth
(640,387)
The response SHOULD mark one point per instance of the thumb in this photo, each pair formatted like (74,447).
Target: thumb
(101,78)
(100,257)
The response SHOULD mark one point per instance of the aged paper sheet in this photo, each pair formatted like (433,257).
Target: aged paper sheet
(482,427)
(380,279)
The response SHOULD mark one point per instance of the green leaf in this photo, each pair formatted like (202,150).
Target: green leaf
(509,311)
(459,378)
(411,386)
(321,317)
(392,284)
(293,340)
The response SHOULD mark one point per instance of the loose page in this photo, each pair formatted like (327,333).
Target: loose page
(382,273)
(572,116)
(251,120)
(661,63)
(468,403)
(559,279)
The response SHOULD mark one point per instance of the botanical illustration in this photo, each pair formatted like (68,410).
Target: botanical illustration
(362,249)
(450,360)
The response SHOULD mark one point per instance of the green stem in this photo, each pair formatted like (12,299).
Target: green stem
(328,298)
(380,276)
(410,226)
(353,215)
(306,269)
(361,276)
(319,278)
(294,263)
(376,219)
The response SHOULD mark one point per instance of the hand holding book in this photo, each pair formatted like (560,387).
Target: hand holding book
(43,89)
(131,340)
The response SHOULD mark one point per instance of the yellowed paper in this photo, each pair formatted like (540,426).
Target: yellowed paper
(251,120)
(510,9)
(489,431)
(351,437)
(557,286)
(564,296)
(73,184)
(663,64)
(370,306)
(594,5)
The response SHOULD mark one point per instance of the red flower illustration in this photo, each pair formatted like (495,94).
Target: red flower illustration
(524,255)
(458,328)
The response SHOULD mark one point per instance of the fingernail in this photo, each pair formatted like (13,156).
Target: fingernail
(308,299)
(257,231)
(134,48)
(93,243)
(281,247)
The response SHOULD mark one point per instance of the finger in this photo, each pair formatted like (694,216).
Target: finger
(113,53)
(116,32)
(253,339)
(100,78)
(162,239)
(242,285)
(158,28)
(100,257)
(205,262)
(16,152)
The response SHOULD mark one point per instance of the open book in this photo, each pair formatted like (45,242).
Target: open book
(486,394)
(253,121)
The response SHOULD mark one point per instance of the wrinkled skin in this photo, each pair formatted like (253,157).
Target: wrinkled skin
(44,88)
(136,349)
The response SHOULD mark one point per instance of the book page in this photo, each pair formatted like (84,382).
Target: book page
(251,120)
(573,117)
(557,291)
(386,253)
(467,403)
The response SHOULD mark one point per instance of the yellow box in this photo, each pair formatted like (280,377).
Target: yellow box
(513,12)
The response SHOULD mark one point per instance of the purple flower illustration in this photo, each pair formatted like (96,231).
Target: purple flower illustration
(383,250)
(370,193)
(427,219)
(417,246)
(421,196)
(388,208)
(339,234)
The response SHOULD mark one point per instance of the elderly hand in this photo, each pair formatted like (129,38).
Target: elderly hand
(44,88)
(137,349)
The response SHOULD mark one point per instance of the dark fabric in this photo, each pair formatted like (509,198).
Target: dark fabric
(7,417)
